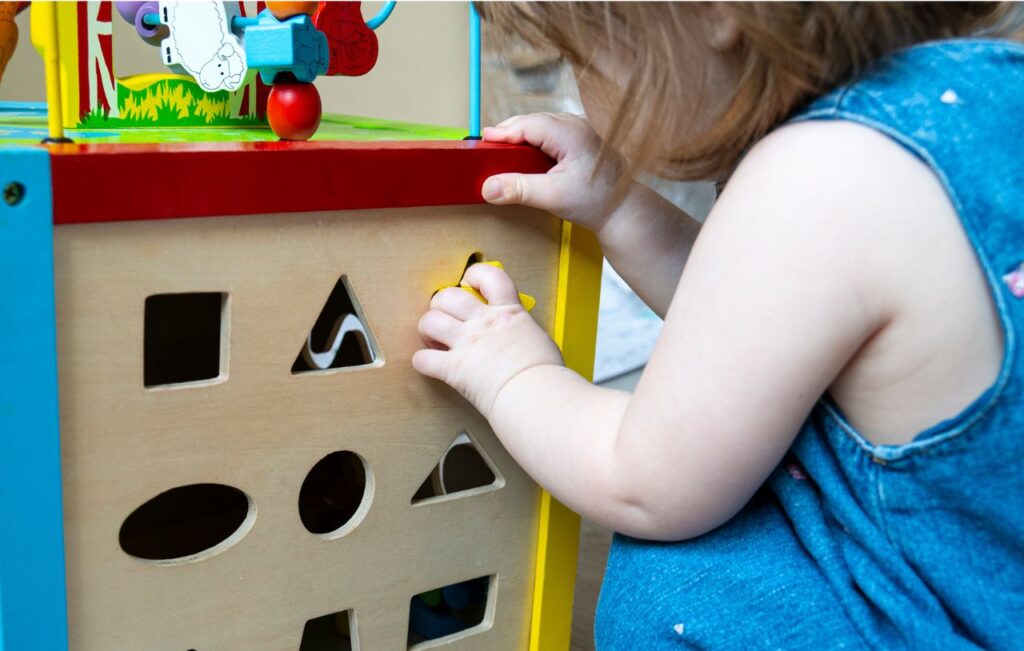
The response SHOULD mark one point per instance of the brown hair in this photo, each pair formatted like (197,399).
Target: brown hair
(786,53)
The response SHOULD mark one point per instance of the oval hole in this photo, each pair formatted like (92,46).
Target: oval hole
(187,523)
(335,491)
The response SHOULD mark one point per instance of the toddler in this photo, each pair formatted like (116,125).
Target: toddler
(826,449)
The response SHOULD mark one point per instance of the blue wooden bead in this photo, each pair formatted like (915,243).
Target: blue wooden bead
(290,46)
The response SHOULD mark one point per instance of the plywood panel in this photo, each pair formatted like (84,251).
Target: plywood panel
(260,428)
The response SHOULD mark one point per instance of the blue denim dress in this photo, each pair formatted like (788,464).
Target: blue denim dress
(852,545)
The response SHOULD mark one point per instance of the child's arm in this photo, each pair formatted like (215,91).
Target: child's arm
(786,282)
(644,236)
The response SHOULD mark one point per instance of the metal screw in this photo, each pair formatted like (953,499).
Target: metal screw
(14,192)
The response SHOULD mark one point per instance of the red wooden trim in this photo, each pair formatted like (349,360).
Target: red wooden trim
(122,182)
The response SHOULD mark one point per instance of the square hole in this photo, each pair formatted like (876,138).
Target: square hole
(334,632)
(185,338)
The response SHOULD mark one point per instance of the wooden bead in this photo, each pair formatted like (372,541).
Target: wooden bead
(294,110)
(283,10)
(150,34)
(128,10)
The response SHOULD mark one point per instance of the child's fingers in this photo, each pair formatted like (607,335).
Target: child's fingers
(508,121)
(457,302)
(440,327)
(534,190)
(433,345)
(500,132)
(548,132)
(432,363)
(493,283)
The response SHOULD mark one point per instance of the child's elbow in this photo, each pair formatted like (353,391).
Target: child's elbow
(650,518)
(661,530)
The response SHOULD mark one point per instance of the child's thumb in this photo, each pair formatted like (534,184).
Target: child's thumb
(526,189)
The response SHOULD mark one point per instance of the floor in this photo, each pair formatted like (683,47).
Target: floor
(594,543)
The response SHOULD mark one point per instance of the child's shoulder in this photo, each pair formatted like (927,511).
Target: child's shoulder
(914,125)
(870,228)
(842,195)
(834,174)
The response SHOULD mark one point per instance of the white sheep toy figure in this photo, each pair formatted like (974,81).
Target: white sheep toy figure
(201,42)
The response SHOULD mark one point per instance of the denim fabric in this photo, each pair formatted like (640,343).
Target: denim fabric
(860,546)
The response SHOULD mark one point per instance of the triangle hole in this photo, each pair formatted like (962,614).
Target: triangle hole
(340,337)
(461,471)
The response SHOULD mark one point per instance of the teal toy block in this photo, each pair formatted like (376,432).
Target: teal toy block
(291,46)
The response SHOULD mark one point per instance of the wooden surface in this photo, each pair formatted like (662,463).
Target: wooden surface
(260,429)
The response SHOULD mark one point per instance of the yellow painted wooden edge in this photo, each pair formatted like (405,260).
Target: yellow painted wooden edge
(67,33)
(579,289)
(44,36)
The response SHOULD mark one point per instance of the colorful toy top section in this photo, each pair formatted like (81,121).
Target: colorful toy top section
(290,44)
(227,67)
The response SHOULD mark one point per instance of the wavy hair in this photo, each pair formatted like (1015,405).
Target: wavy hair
(786,53)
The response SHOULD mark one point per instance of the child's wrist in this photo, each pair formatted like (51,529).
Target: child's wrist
(625,204)
(507,401)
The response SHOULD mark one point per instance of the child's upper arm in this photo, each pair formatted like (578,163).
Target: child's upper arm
(778,294)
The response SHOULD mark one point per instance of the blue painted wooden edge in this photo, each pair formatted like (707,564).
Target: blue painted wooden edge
(33,602)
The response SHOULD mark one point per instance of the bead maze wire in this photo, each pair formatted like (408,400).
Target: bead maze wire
(474,73)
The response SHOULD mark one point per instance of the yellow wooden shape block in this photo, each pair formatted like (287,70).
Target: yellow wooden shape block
(528,301)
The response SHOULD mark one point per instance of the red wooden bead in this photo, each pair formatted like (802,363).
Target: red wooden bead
(294,110)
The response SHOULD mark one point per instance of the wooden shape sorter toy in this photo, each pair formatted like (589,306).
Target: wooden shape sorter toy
(211,435)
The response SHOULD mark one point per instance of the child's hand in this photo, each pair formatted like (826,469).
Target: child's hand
(476,348)
(567,190)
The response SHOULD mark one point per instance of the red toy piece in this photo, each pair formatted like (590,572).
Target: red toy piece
(294,110)
(353,45)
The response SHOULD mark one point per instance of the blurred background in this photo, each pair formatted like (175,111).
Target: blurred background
(421,76)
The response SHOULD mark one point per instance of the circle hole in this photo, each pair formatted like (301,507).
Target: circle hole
(335,494)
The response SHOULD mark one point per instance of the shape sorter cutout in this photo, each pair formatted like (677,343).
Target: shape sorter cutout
(187,523)
(461,469)
(450,613)
(262,430)
(339,338)
(185,338)
(333,632)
